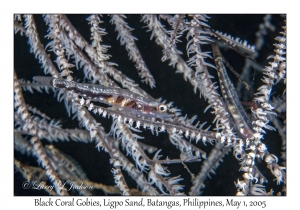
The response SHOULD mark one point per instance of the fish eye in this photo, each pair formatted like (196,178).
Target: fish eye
(162,108)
